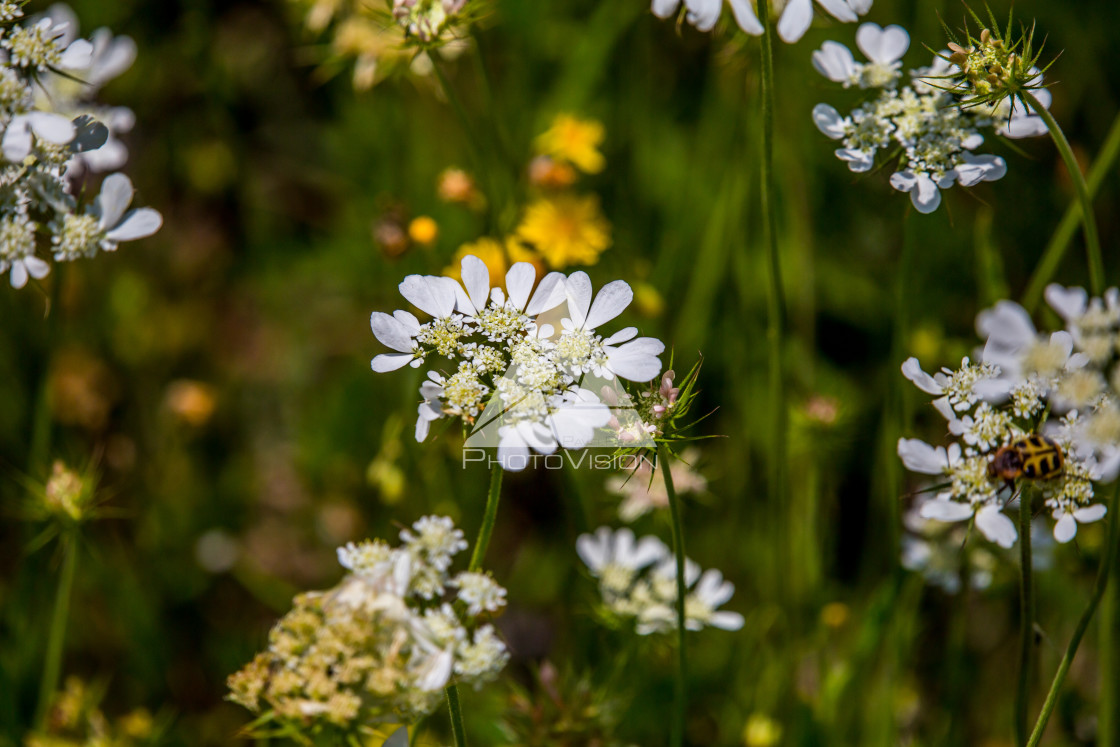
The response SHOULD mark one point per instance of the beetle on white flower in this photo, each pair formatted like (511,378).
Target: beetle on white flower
(1036,418)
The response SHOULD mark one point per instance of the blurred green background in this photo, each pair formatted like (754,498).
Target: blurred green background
(217,375)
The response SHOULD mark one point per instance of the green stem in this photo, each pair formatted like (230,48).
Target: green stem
(1059,242)
(677,733)
(1082,624)
(775,305)
(1088,220)
(456,716)
(489,517)
(56,639)
(1026,620)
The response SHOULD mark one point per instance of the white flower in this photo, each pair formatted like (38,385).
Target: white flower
(44,46)
(1013,344)
(480,592)
(17,249)
(105,223)
(437,538)
(794,21)
(884,47)
(701,605)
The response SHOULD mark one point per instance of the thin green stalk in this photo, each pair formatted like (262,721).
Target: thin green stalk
(1088,220)
(456,716)
(489,517)
(677,732)
(775,305)
(56,639)
(1026,620)
(1059,242)
(1083,624)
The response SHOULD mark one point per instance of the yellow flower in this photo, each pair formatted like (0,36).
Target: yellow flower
(566,230)
(423,230)
(575,141)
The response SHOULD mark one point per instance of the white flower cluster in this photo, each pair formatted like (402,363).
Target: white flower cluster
(1064,386)
(638,580)
(382,644)
(509,361)
(936,135)
(794,16)
(52,132)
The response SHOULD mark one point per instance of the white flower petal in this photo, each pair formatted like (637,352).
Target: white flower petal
(664,8)
(53,128)
(1089,514)
(795,20)
(835,62)
(476,279)
(918,456)
(551,293)
(77,56)
(839,9)
(390,332)
(859,161)
(519,283)
(1066,528)
(116,194)
(745,17)
(976,169)
(612,300)
(829,121)
(136,224)
(36,267)
(725,620)
(389,362)
(996,527)
(883,45)
(18,275)
(912,370)
(594,551)
(703,14)
(16,144)
(578,289)
(432,295)
(942,510)
(1070,303)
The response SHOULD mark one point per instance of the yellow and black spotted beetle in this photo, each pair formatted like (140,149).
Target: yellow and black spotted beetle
(1035,457)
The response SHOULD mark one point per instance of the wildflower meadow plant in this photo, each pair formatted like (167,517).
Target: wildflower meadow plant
(1035,422)
(935,128)
(378,648)
(500,345)
(638,584)
(52,132)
